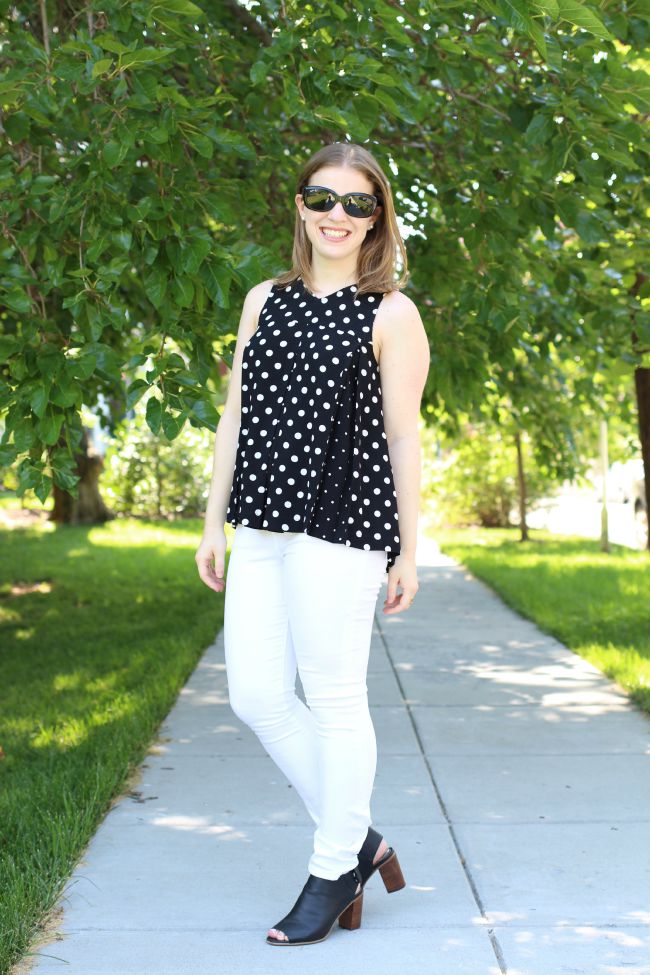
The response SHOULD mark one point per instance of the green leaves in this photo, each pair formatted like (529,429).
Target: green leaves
(17,300)
(39,400)
(550,7)
(31,475)
(101,66)
(518,15)
(154,414)
(49,426)
(114,153)
(580,14)
(134,60)
(201,143)
(584,16)
(155,285)
(49,360)
(135,392)
(149,173)
(182,8)
(540,129)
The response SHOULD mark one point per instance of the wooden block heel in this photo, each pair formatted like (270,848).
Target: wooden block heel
(351,916)
(391,874)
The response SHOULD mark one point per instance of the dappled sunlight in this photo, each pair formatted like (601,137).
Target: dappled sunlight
(219,729)
(204,666)
(161,746)
(61,738)
(415,791)
(24,634)
(638,917)
(567,938)
(76,731)
(66,682)
(626,938)
(503,917)
(24,588)
(85,681)
(200,825)
(571,682)
(8,616)
(201,698)
(125,532)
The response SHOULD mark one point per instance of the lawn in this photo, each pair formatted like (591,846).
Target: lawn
(596,603)
(99,629)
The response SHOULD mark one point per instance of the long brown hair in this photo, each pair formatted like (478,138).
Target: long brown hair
(376,267)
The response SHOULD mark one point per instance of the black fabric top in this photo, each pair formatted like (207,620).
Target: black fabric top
(312,453)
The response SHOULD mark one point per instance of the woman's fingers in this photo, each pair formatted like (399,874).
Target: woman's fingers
(211,571)
(399,602)
(206,572)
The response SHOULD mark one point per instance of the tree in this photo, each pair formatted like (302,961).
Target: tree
(147,183)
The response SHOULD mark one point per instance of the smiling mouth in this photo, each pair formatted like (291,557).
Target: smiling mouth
(329,234)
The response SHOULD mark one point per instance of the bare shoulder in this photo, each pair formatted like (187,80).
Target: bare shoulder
(253,304)
(397,316)
(262,288)
(395,306)
(258,294)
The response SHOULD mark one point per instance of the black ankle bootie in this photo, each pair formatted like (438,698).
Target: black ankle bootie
(319,904)
(388,864)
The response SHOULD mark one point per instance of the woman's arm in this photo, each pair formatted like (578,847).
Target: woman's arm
(213,543)
(404,359)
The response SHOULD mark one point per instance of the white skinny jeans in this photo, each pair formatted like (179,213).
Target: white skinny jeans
(296,602)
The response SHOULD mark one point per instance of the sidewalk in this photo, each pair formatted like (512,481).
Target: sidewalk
(512,780)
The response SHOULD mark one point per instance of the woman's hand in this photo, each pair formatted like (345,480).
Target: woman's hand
(210,559)
(404,572)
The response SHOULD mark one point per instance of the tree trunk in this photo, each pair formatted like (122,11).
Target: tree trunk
(521,489)
(158,480)
(604,463)
(88,508)
(642,383)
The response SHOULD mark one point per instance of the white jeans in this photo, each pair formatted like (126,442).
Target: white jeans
(295,602)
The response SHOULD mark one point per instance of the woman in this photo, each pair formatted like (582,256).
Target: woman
(317,465)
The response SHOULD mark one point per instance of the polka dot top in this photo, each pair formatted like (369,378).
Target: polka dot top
(312,453)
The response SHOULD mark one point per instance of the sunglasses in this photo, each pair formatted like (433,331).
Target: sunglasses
(321,199)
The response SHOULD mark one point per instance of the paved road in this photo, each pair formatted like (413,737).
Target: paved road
(512,780)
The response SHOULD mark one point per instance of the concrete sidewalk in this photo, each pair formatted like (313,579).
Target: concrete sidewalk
(512,779)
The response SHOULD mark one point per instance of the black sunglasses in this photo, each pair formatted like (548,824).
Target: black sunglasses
(322,199)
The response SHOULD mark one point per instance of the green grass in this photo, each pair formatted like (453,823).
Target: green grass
(9,499)
(596,603)
(99,629)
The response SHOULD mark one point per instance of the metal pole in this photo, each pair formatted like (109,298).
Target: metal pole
(604,463)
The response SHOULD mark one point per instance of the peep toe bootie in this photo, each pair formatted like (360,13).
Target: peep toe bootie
(388,864)
(319,904)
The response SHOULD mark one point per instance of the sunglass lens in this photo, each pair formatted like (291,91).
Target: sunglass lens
(360,205)
(317,199)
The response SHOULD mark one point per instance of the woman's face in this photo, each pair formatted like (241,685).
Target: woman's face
(341,179)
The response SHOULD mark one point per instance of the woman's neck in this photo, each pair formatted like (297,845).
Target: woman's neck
(333,275)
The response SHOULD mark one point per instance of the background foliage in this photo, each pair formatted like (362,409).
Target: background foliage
(146,476)
(147,174)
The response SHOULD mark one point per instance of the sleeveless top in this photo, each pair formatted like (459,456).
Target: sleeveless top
(312,454)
